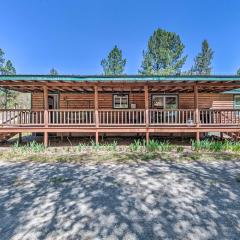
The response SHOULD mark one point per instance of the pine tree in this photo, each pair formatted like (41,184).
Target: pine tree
(114,64)
(164,54)
(53,71)
(7,96)
(238,72)
(203,61)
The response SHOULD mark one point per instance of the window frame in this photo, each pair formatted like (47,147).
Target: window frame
(234,101)
(164,100)
(120,95)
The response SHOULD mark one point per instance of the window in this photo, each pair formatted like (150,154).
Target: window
(165,101)
(120,101)
(237,101)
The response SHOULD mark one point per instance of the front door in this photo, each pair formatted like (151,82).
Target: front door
(53,104)
(53,101)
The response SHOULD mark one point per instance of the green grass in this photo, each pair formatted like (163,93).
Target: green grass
(215,146)
(32,147)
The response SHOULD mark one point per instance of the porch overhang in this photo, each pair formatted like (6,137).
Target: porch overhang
(131,83)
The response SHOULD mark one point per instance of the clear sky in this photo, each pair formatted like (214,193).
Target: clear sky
(74,35)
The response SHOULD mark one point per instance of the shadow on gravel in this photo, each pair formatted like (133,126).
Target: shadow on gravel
(152,200)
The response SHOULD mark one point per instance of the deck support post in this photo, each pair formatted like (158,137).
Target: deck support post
(45,139)
(146,96)
(221,135)
(96,112)
(196,111)
(45,96)
(20,138)
(197,136)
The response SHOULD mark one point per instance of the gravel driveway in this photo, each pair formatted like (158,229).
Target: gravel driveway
(152,200)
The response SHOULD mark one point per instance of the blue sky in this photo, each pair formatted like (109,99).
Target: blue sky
(74,35)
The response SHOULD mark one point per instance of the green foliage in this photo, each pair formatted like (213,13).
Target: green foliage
(81,147)
(32,147)
(112,146)
(114,64)
(2,60)
(215,146)
(238,72)
(53,71)
(164,54)
(7,97)
(152,146)
(94,145)
(8,69)
(136,146)
(203,61)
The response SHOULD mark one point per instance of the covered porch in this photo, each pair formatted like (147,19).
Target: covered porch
(144,117)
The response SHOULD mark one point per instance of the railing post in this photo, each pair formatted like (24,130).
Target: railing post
(96,112)
(146,112)
(197,120)
(45,95)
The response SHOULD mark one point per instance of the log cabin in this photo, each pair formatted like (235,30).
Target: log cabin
(128,104)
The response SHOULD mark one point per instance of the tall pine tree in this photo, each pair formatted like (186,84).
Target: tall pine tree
(163,54)
(7,97)
(53,71)
(238,72)
(114,64)
(203,61)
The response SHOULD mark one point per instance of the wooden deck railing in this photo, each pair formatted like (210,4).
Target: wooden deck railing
(172,117)
(118,118)
(219,117)
(11,117)
(71,117)
(122,117)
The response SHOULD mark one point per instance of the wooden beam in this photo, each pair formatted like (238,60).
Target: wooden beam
(196,109)
(96,111)
(146,96)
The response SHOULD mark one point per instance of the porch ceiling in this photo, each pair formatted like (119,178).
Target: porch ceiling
(164,84)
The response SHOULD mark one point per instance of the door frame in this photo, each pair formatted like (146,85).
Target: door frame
(55,100)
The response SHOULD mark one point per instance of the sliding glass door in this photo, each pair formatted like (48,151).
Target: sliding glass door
(168,103)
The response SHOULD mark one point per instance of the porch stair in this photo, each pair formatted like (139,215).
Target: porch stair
(6,136)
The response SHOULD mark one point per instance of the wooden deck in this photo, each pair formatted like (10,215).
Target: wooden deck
(119,121)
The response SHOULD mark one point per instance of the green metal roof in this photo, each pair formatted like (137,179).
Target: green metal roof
(234,91)
(117,78)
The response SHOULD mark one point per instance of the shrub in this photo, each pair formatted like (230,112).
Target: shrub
(215,146)
(112,146)
(165,146)
(33,147)
(136,146)
(153,145)
(94,145)
(81,147)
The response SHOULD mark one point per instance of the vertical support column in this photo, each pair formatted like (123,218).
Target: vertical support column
(96,112)
(20,138)
(196,111)
(45,97)
(146,97)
